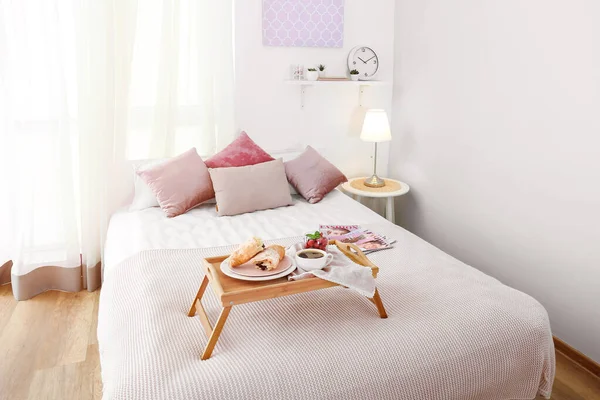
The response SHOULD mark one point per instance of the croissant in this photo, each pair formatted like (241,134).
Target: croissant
(269,258)
(246,251)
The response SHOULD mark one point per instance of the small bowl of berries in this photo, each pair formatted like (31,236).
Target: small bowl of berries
(316,241)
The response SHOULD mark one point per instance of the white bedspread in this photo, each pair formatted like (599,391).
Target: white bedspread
(452,332)
(132,232)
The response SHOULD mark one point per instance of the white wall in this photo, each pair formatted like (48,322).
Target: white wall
(269,110)
(497,120)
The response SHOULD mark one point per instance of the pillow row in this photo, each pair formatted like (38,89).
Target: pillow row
(242,177)
(242,151)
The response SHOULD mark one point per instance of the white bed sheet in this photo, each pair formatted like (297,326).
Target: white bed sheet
(132,232)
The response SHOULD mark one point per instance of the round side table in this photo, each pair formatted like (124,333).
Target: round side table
(392,188)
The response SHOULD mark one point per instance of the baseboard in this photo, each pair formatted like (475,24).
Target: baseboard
(579,358)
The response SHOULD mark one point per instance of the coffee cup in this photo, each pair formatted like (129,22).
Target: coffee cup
(313,259)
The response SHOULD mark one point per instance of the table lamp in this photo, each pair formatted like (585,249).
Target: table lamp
(376,128)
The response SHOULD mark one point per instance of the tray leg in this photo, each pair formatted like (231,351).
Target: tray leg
(379,304)
(214,337)
(203,286)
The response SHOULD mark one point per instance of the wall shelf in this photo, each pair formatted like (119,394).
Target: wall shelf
(359,84)
(340,83)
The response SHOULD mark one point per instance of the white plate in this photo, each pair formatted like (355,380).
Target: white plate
(227,270)
(249,269)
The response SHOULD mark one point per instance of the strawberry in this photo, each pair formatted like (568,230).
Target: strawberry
(313,240)
(316,241)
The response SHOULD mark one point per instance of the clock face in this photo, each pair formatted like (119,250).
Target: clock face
(365,60)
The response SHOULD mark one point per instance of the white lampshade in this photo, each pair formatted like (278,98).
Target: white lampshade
(376,127)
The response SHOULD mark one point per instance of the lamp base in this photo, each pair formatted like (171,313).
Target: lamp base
(374,182)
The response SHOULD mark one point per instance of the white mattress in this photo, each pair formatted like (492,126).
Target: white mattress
(131,232)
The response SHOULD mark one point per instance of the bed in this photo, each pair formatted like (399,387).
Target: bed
(452,332)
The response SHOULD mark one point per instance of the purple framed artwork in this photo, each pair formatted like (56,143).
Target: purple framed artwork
(303,23)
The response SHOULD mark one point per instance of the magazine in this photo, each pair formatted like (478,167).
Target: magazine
(365,239)
(334,232)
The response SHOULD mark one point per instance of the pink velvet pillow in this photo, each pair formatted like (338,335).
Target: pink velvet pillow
(239,153)
(312,175)
(180,184)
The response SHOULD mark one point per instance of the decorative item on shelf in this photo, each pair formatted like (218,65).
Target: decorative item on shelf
(294,72)
(354,74)
(301,75)
(365,61)
(297,72)
(321,69)
(312,74)
(376,128)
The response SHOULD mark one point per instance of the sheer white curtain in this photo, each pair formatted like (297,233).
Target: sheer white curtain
(84,85)
(182,81)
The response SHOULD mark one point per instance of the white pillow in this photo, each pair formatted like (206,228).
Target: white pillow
(287,155)
(143,196)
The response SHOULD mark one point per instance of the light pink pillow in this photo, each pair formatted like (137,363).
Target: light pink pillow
(180,184)
(312,175)
(239,153)
(251,188)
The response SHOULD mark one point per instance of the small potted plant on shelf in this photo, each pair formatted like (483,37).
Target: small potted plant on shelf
(312,74)
(354,74)
(321,69)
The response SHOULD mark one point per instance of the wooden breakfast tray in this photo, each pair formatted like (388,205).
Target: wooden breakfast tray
(232,291)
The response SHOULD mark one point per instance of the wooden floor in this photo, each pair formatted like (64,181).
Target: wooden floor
(48,346)
(49,350)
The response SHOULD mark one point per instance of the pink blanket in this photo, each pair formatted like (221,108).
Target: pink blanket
(452,333)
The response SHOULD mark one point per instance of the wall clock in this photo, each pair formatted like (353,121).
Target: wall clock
(365,60)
